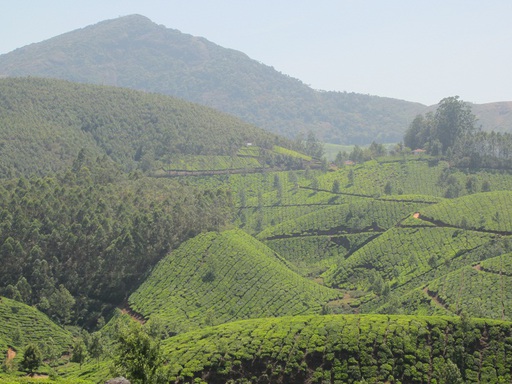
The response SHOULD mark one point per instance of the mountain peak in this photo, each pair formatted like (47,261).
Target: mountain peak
(134,52)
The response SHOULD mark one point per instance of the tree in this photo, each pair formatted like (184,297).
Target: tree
(472,184)
(61,302)
(419,132)
(336,186)
(388,188)
(138,355)
(32,359)
(377,150)
(79,352)
(314,148)
(453,120)
(350,176)
(340,158)
(50,350)
(357,154)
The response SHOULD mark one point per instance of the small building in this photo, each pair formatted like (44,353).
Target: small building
(418,152)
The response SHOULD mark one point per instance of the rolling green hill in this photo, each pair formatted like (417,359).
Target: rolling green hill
(45,123)
(219,277)
(491,211)
(136,53)
(481,290)
(345,349)
(387,241)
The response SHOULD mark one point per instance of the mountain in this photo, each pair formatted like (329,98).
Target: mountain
(136,53)
(44,123)
(494,116)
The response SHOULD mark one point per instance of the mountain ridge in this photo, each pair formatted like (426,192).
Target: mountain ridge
(133,52)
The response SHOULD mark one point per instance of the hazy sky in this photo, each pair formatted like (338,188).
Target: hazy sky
(407,49)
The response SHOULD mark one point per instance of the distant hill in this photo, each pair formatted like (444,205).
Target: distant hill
(134,52)
(44,123)
(494,116)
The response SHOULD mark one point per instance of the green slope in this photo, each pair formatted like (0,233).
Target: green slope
(134,52)
(490,211)
(413,176)
(360,215)
(482,290)
(44,123)
(22,324)
(401,254)
(220,277)
(345,349)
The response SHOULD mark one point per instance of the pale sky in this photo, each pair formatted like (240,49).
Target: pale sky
(414,50)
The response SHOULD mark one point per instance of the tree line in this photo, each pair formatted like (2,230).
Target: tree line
(452,131)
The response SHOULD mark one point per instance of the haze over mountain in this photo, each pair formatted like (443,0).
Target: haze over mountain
(134,52)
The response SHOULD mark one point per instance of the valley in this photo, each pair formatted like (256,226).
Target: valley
(149,237)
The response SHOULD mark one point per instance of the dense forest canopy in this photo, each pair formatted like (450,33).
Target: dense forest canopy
(44,123)
(76,244)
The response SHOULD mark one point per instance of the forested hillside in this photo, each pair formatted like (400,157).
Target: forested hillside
(134,52)
(44,123)
(75,245)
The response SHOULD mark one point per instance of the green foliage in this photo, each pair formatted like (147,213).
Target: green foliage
(452,121)
(369,348)
(138,355)
(359,215)
(44,132)
(76,247)
(483,211)
(219,277)
(32,359)
(22,325)
(401,254)
(79,352)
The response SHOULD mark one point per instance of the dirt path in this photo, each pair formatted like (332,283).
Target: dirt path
(126,310)
(11,354)
(435,299)
(38,376)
